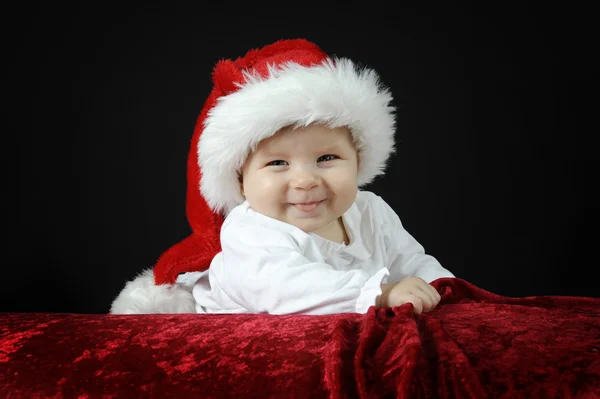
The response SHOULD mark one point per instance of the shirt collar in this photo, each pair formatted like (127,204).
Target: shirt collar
(359,246)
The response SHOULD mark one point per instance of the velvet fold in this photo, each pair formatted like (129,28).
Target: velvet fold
(475,344)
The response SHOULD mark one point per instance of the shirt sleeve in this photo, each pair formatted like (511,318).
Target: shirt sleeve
(265,271)
(406,256)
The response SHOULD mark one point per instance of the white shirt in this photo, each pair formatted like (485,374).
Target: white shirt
(269,266)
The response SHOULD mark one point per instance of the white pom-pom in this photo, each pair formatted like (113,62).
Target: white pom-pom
(142,296)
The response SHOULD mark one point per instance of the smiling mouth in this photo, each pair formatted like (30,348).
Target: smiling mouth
(307,206)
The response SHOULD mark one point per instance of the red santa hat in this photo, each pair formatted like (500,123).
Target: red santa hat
(289,82)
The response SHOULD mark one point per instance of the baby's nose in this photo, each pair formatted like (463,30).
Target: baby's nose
(304,180)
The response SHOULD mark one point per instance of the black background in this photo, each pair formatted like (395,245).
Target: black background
(495,172)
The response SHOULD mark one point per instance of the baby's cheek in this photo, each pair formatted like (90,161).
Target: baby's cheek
(347,185)
(274,194)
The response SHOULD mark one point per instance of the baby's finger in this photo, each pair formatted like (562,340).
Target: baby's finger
(436,294)
(416,301)
(431,291)
(428,297)
(427,301)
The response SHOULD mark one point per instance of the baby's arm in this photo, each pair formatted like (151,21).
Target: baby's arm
(411,269)
(265,271)
(411,272)
(406,256)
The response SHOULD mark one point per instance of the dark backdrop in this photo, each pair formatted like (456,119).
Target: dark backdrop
(494,172)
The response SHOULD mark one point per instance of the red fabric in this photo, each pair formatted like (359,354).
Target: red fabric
(473,345)
(182,257)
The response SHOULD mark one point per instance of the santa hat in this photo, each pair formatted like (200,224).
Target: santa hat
(289,82)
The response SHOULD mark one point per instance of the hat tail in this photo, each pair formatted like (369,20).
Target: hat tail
(193,254)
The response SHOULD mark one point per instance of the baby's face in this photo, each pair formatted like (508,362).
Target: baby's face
(305,177)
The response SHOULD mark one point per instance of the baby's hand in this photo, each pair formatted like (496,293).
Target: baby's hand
(410,290)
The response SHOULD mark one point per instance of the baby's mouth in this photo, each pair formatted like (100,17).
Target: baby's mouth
(308,206)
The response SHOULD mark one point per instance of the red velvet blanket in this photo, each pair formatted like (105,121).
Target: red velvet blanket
(474,345)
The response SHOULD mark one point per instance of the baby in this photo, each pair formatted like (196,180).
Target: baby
(281,223)
(306,240)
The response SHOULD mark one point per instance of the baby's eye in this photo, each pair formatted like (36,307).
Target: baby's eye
(278,162)
(328,157)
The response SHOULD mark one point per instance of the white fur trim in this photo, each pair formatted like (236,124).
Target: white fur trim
(334,92)
(143,296)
